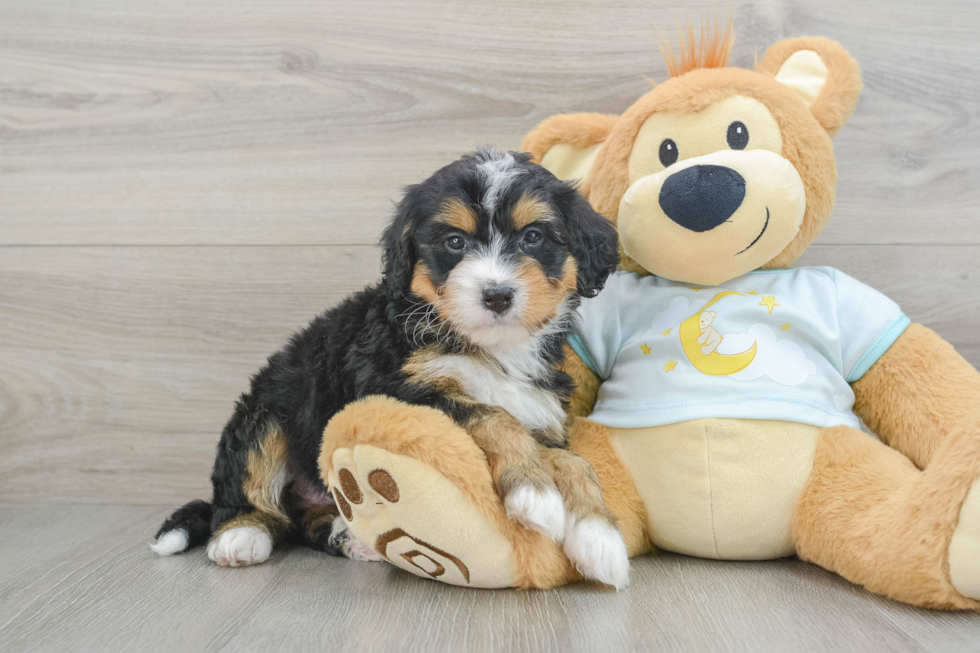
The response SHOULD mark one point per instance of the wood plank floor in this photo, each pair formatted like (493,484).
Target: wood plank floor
(184,184)
(83,579)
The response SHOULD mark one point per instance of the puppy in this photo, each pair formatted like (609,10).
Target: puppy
(483,267)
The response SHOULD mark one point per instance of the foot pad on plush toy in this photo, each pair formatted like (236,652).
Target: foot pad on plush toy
(417,519)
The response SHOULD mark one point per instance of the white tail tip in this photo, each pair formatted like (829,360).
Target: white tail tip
(171,542)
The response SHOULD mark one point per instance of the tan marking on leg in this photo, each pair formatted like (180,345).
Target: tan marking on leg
(510,449)
(271,524)
(315,518)
(578,485)
(591,441)
(529,210)
(267,474)
(586,384)
(456,214)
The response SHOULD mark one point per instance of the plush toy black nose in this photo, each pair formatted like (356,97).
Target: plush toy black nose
(700,198)
(498,299)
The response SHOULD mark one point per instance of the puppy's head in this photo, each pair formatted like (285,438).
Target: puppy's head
(497,245)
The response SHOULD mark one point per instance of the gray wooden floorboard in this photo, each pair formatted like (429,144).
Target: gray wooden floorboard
(81,578)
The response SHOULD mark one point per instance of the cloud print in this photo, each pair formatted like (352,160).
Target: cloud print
(783,361)
(679,310)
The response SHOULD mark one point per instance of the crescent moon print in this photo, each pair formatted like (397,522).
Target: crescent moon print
(700,350)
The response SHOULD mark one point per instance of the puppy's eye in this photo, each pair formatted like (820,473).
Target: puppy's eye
(456,243)
(738,135)
(668,152)
(532,237)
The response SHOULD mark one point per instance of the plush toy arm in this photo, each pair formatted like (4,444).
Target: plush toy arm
(586,384)
(916,393)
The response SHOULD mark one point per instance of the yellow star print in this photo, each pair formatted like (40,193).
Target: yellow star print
(752,292)
(786,327)
(666,333)
(669,367)
(694,289)
(769,301)
(645,349)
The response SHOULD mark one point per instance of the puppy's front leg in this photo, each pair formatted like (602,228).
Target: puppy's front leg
(522,478)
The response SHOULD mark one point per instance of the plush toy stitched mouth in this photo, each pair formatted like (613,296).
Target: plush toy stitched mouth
(764,227)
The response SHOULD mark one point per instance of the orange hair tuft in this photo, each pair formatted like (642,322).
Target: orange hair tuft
(701,53)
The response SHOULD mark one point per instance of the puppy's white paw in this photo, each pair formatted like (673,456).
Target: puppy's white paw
(240,547)
(543,512)
(171,542)
(598,551)
(342,539)
(358,550)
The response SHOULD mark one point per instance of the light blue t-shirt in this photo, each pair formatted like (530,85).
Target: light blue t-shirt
(772,344)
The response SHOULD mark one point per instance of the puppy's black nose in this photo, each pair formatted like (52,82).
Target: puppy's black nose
(700,198)
(498,298)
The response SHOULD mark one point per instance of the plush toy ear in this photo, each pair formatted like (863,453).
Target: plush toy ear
(567,145)
(821,73)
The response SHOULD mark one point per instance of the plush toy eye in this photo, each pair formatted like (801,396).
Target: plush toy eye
(533,237)
(456,243)
(668,152)
(738,135)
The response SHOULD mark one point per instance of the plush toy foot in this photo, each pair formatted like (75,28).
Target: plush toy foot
(961,454)
(412,485)
(870,515)
(417,520)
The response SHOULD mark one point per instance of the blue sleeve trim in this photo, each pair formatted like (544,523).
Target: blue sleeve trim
(579,348)
(886,340)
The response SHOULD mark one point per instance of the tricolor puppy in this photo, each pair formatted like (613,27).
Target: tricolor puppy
(484,265)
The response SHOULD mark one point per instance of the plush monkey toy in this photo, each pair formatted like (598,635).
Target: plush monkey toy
(719,389)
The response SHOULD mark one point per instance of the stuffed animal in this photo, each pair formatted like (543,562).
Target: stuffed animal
(719,390)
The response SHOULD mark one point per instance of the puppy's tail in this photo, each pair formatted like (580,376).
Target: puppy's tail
(186,528)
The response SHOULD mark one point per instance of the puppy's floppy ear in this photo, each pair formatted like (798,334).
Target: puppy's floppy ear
(398,254)
(592,240)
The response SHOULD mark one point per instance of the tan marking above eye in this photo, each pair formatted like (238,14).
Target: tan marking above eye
(529,210)
(456,214)
(349,486)
(698,134)
(382,483)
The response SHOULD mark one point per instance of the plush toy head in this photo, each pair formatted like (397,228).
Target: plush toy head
(717,171)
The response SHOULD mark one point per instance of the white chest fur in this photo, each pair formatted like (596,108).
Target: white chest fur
(511,388)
